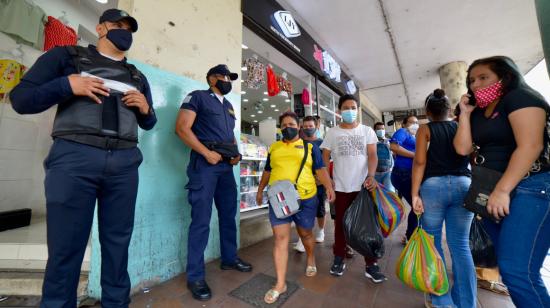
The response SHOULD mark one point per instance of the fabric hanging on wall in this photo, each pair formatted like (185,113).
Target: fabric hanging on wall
(306,98)
(23,21)
(285,85)
(10,75)
(255,76)
(272,84)
(58,34)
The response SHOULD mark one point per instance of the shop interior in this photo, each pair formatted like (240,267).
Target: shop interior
(22,179)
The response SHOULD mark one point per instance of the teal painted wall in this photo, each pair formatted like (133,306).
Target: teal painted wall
(158,250)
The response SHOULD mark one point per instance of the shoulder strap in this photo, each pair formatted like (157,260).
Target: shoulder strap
(306,150)
(76,53)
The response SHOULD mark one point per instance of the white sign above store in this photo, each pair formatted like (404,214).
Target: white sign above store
(287,24)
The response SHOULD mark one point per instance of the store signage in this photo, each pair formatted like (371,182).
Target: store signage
(287,24)
(271,18)
(350,87)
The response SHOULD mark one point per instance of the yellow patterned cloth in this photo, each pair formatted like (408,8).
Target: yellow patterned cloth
(11,73)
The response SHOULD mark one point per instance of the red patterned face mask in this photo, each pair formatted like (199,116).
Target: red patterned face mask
(488,94)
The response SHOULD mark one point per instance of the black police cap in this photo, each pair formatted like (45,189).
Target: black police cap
(114,15)
(222,69)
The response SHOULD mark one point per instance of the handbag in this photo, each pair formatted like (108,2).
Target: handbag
(283,195)
(484,181)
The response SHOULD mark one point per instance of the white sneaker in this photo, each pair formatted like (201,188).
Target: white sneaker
(299,246)
(320,236)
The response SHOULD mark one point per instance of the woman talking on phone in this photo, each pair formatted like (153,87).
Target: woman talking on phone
(506,120)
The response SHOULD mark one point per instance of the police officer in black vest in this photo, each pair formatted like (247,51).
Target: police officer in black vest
(205,123)
(101,100)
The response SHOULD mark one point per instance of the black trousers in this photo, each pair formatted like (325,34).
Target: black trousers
(76,176)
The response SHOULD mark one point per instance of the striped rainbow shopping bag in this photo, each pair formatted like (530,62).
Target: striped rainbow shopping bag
(390,209)
(420,266)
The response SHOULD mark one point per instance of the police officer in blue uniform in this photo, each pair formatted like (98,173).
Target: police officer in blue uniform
(205,123)
(101,100)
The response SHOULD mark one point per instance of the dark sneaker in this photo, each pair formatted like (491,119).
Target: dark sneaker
(338,266)
(373,273)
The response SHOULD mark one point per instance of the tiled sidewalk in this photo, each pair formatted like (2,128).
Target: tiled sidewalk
(323,290)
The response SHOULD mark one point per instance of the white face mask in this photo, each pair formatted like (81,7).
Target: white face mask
(413,128)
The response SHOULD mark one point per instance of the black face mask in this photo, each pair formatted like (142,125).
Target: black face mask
(309,132)
(289,133)
(223,86)
(121,38)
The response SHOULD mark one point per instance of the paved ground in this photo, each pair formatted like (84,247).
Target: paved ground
(324,290)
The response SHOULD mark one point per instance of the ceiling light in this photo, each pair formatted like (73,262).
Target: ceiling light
(242,80)
(252,115)
(265,99)
(244,46)
(273,106)
(255,121)
(270,118)
(276,110)
(102,1)
(243,92)
(287,100)
(243,68)
(265,93)
(245,100)
(260,112)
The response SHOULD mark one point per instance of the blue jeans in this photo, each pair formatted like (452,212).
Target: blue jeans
(401,180)
(385,179)
(443,199)
(522,241)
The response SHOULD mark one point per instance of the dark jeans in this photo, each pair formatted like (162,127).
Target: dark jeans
(342,203)
(76,176)
(402,180)
(522,241)
(321,196)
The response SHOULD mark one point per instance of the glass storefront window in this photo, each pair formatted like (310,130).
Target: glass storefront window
(328,101)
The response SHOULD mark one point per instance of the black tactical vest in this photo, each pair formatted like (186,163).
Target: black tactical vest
(82,115)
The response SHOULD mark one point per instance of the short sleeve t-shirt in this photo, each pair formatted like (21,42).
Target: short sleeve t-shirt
(494,135)
(284,160)
(403,138)
(348,149)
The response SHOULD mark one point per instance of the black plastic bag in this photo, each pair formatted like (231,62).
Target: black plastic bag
(361,227)
(483,250)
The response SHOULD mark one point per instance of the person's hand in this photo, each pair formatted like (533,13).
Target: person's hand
(259,197)
(465,107)
(370,183)
(331,195)
(333,183)
(499,204)
(88,86)
(418,205)
(136,99)
(235,160)
(213,157)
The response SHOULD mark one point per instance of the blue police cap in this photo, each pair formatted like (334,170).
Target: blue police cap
(114,15)
(222,69)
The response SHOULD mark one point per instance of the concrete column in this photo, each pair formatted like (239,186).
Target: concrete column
(543,16)
(453,80)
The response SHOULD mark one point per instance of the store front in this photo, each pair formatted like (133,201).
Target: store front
(283,69)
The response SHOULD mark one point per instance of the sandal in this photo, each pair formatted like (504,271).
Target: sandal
(311,271)
(493,286)
(272,295)
(404,240)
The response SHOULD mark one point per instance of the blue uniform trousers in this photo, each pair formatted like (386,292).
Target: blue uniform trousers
(76,176)
(209,183)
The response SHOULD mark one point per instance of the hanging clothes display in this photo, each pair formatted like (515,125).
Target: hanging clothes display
(10,74)
(23,21)
(255,76)
(272,84)
(58,34)
(285,85)
(306,98)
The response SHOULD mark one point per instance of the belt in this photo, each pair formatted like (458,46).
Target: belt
(103,142)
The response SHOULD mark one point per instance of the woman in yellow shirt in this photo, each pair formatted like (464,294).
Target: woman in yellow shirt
(283,163)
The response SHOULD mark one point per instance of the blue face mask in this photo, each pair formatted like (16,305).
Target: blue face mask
(318,134)
(121,38)
(349,116)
